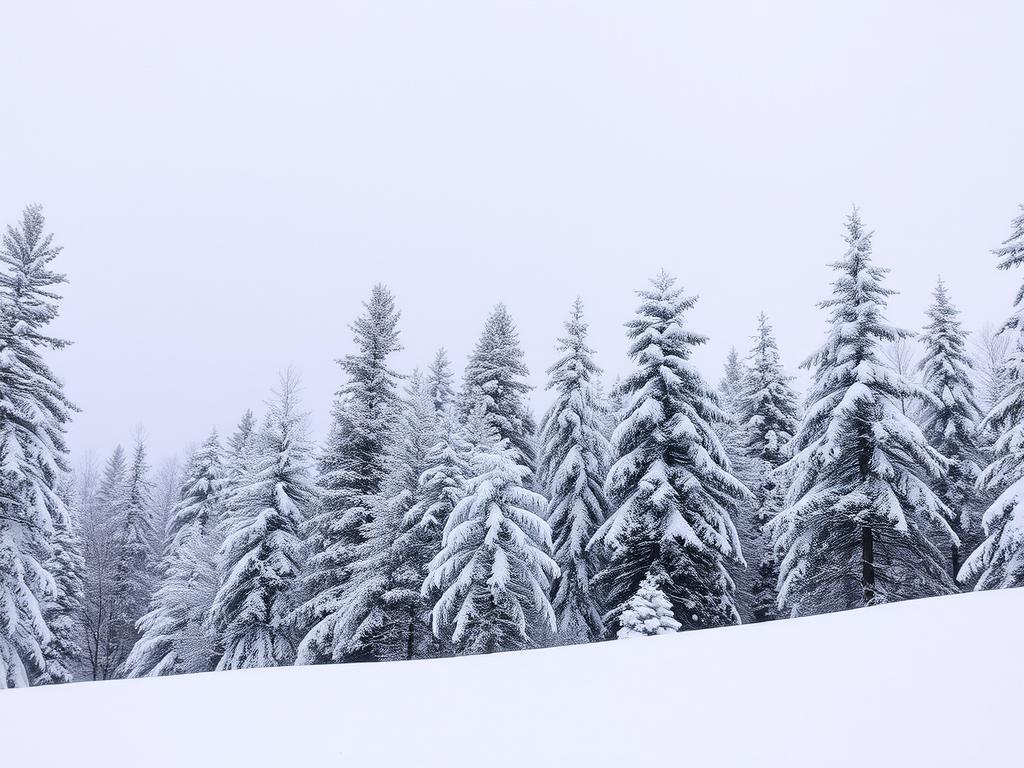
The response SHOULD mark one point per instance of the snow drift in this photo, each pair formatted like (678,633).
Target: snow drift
(871,687)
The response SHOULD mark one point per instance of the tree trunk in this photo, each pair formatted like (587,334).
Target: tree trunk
(867,546)
(409,638)
(867,534)
(954,552)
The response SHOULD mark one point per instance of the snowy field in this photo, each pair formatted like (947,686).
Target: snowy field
(792,693)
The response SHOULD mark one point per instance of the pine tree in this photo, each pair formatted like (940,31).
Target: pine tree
(574,461)
(133,536)
(648,612)
(730,388)
(443,483)
(495,377)
(352,466)
(176,635)
(381,614)
(261,556)
(744,515)
(440,381)
(670,486)
(950,419)
(105,645)
(766,421)
(33,413)
(63,607)
(860,513)
(238,458)
(494,569)
(999,559)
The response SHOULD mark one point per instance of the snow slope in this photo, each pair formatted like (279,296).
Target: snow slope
(793,693)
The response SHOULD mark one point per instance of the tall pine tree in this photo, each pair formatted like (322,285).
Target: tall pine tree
(132,581)
(261,557)
(176,634)
(671,488)
(382,614)
(999,559)
(766,420)
(860,513)
(33,414)
(950,418)
(574,461)
(352,468)
(494,570)
(495,379)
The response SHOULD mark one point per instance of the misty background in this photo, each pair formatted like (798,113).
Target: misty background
(229,180)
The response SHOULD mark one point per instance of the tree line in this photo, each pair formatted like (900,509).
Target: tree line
(440,518)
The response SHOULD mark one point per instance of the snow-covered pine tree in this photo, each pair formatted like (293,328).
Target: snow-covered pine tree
(440,488)
(238,457)
(133,577)
(574,461)
(648,612)
(992,349)
(166,487)
(730,388)
(744,515)
(495,376)
(671,488)
(443,484)
(440,381)
(260,558)
(860,510)
(176,634)
(950,419)
(33,413)
(352,465)
(766,418)
(63,608)
(999,559)
(613,403)
(101,503)
(381,614)
(494,570)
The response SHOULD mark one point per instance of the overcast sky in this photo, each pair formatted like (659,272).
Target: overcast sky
(228,181)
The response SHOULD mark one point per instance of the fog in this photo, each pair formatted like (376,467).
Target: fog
(229,181)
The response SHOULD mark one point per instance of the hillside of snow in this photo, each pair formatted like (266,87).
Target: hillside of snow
(861,688)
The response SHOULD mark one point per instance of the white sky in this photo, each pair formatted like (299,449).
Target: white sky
(229,180)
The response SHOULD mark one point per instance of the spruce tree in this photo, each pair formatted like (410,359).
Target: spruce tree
(999,559)
(860,513)
(381,615)
(132,581)
(33,414)
(261,556)
(494,569)
(671,488)
(495,378)
(574,461)
(950,418)
(766,420)
(648,612)
(352,466)
(176,634)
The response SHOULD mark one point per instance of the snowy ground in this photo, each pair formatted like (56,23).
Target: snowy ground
(858,688)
